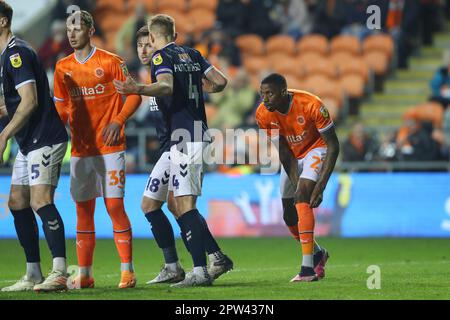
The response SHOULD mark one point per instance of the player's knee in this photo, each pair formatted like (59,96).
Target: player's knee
(17,204)
(37,204)
(150,205)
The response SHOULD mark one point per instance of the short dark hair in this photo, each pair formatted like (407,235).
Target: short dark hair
(142,32)
(85,18)
(163,24)
(276,79)
(6,11)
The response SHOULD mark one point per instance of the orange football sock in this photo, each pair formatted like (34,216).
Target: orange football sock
(306,227)
(122,228)
(85,232)
(294,232)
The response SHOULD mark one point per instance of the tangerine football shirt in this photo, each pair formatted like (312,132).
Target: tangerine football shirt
(301,125)
(84,89)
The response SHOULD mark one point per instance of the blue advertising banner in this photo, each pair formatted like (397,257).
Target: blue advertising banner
(355,205)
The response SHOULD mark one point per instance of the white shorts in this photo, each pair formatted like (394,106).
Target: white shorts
(186,169)
(97,176)
(308,167)
(157,186)
(41,166)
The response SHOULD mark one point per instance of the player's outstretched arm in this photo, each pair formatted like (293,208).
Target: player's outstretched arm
(332,142)
(161,88)
(214,81)
(288,161)
(28,103)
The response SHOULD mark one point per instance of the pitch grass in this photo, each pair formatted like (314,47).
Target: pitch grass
(410,269)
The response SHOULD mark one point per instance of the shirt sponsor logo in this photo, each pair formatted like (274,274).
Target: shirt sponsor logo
(157,60)
(85,91)
(16,60)
(296,139)
(324,112)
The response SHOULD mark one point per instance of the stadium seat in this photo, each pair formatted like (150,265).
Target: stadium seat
(281,43)
(210,5)
(177,5)
(316,43)
(345,43)
(379,42)
(285,65)
(309,62)
(322,66)
(332,105)
(324,86)
(294,82)
(211,111)
(255,65)
(377,61)
(110,5)
(354,65)
(352,85)
(428,111)
(201,19)
(251,44)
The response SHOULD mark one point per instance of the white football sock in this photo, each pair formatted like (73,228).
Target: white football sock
(127,267)
(307,260)
(34,271)
(59,264)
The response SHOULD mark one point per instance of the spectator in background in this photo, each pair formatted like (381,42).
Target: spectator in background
(359,146)
(56,46)
(440,84)
(446,133)
(235,101)
(259,17)
(295,17)
(230,15)
(126,37)
(416,143)
(329,17)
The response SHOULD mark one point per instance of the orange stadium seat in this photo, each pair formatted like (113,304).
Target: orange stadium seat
(324,86)
(322,66)
(308,60)
(355,65)
(352,85)
(346,43)
(428,111)
(112,21)
(255,65)
(316,43)
(110,5)
(294,82)
(285,65)
(332,105)
(211,111)
(281,43)
(210,5)
(379,42)
(250,44)
(202,19)
(377,61)
(177,5)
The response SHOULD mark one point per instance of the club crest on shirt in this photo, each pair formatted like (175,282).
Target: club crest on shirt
(16,60)
(301,120)
(157,60)
(184,57)
(324,112)
(99,72)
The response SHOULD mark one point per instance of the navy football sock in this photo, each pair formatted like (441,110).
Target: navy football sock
(211,245)
(183,236)
(163,233)
(54,230)
(192,227)
(28,233)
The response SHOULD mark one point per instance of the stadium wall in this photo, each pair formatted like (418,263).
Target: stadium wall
(355,205)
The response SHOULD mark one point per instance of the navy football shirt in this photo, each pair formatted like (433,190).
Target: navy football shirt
(19,66)
(186,107)
(160,122)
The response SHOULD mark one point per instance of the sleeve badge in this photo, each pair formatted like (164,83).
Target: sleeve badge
(324,112)
(16,60)
(157,59)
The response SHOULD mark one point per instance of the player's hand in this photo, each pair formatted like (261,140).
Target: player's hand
(316,196)
(3,143)
(129,86)
(111,134)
